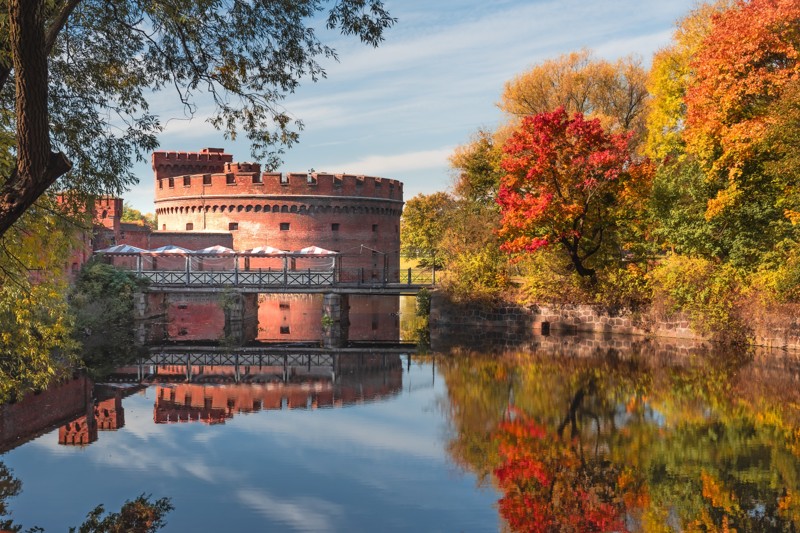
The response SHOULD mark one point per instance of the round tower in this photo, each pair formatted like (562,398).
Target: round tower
(358,216)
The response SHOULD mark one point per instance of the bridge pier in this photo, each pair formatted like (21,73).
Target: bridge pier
(335,320)
(223,315)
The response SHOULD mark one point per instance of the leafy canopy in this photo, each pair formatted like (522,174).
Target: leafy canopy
(77,77)
(562,184)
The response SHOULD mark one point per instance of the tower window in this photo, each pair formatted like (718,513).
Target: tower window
(374,228)
(233,226)
(207,179)
(160,184)
(256,178)
(284,226)
(335,226)
(187,181)
(189,226)
(172,183)
(284,330)
(230,179)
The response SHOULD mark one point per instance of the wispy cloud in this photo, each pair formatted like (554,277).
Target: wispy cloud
(302,514)
(392,164)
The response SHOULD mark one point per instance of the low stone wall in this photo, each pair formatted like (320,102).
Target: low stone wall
(507,324)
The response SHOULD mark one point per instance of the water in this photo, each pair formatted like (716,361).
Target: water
(563,433)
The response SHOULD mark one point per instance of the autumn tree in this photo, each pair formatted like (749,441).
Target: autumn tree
(563,184)
(613,92)
(476,168)
(76,75)
(423,224)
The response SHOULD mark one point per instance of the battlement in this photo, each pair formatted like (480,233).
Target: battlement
(246,179)
(240,168)
(169,164)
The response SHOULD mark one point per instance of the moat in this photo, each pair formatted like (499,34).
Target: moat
(579,433)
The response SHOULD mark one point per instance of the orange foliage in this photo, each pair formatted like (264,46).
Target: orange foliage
(750,55)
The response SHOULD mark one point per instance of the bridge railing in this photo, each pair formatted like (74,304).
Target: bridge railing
(259,278)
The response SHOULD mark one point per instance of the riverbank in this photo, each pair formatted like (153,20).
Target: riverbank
(776,327)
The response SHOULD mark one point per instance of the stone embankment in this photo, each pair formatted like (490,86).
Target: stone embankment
(508,324)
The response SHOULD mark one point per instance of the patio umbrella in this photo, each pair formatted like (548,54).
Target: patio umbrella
(314,250)
(265,250)
(121,249)
(214,250)
(170,249)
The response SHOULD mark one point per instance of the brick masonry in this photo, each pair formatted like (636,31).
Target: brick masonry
(358,216)
(510,324)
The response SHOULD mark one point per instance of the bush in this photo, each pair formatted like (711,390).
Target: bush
(708,292)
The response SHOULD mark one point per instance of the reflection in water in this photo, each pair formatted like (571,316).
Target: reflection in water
(271,388)
(579,435)
(107,414)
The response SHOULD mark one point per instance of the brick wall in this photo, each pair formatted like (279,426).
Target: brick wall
(37,413)
(509,324)
(350,214)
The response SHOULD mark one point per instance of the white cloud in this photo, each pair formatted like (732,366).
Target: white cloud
(304,514)
(393,164)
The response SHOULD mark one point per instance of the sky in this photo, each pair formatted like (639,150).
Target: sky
(398,111)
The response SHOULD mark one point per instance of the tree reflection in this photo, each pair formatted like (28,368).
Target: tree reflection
(623,441)
(141,515)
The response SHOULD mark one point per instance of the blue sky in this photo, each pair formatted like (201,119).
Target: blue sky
(399,110)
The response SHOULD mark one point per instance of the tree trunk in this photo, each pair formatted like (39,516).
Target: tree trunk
(37,168)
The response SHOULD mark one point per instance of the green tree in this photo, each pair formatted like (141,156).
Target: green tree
(477,168)
(129,214)
(101,302)
(137,516)
(423,225)
(75,76)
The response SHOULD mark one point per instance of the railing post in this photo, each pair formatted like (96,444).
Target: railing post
(236,271)
(361,275)
(188,263)
(285,273)
(433,282)
(309,276)
(409,275)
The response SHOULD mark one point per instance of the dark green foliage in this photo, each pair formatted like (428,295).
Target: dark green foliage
(102,303)
(137,516)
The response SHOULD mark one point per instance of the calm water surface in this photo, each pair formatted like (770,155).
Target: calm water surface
(569,434)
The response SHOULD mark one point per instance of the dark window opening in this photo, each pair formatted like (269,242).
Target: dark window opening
(207,179)
(284,226)
(335,226)
(182,332)
(257,178)
(284,330)
(283,305)
(374,228)
(172,183)
(230,179)
(187,181)
(163,227)
(160,184)
(189,226)
(232,226)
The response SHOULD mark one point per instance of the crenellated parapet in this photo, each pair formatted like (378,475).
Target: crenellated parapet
(238,179)
(207,160)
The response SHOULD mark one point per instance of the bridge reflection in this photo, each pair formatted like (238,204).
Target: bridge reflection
(214,404)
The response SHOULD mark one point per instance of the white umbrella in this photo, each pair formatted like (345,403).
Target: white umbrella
(314,250)
(265,250)
(121,249)
(170,249)
(214,250)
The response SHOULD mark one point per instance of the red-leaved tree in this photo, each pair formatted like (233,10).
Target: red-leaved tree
(565,184)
